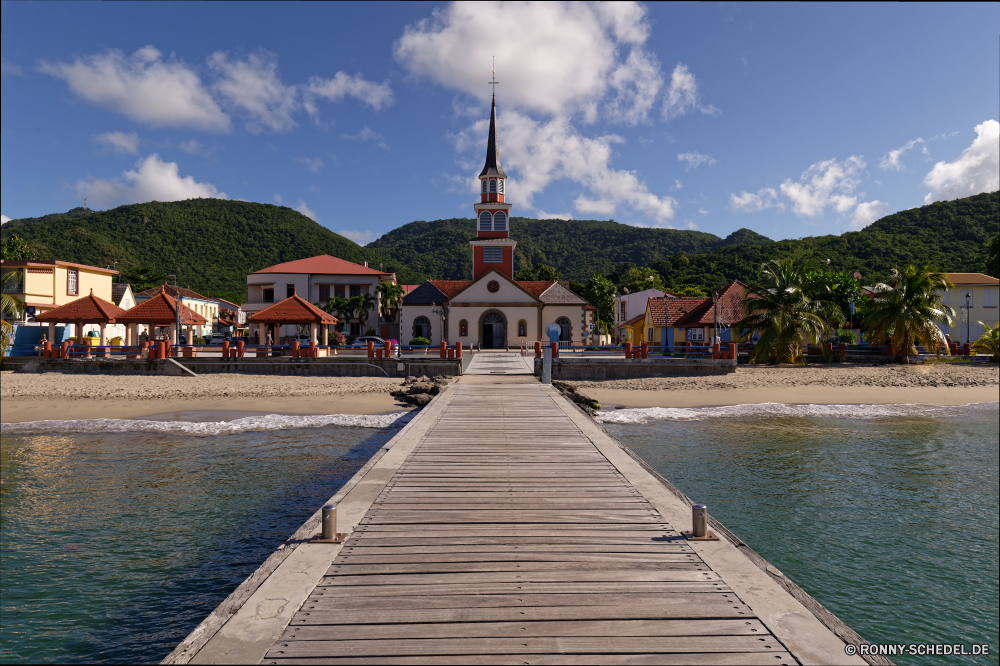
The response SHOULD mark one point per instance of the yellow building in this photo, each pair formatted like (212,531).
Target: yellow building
(44,285)
(974,298)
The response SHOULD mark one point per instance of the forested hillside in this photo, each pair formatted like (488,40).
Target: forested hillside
(211,244)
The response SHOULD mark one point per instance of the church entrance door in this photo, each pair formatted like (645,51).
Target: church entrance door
(493,337)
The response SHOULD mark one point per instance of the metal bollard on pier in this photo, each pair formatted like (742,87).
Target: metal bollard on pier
(699,525)
(329,532)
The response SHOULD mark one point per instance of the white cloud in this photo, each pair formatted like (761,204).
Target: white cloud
(4,219)
(305,210)
(683,96)
(695,159)
(362,237)
(368,134)
(595,50)
(868,212)
(191,147)
(677,185)
(891,159)
(748,202)
(313,164)
(255,86)
(7,68)
(827,183)
(278,200)
(542,215)
(976,170)
(152,180)
(375,95)
(143,87)
(120,142)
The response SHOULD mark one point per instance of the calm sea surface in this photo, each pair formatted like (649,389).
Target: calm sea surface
(115,543)
(114,546)
(887,516)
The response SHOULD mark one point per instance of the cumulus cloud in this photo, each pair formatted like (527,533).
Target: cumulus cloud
(636,84)
(368,134)
(143,87)
(695,159)
(361,237)
(313,164)
(891,159)
(976,170)
(827,183)
(120,142)
(868,212)
(4,219)
(683,96)
(305,210)
(749,202)
(542,215)
(375,95)
(151,180)
(255,87)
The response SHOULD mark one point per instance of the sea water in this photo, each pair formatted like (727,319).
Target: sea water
(886,514)
(118,537)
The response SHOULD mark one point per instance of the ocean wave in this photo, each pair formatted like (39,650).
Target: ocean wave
(210,428)
(772,409)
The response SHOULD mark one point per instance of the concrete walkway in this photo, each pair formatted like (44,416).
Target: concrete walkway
(502,525)
(501,363)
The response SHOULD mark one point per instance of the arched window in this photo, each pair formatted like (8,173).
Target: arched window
(522,329)
(493,185)
(500,185)
(463,328)
(564,329)
(484,186)
(485,221)
(422,328)
(500,221)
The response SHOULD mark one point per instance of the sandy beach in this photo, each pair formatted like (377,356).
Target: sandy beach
(38,397)
(937,384)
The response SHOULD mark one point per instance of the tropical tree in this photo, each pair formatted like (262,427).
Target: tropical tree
(361,307)
(540,273)
(989,343)
(787,309)
(993,257)
(909,309)
(389,295)
(14,248)
(10,306)
(600,292)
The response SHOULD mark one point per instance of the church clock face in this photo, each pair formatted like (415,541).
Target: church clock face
(493,286)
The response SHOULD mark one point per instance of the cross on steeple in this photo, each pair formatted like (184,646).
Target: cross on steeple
(494,82)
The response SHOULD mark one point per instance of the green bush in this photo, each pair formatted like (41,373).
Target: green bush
(370,331)
(419,341)
(349,340)
(200,341)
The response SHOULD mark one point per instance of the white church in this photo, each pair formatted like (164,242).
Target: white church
(493,310)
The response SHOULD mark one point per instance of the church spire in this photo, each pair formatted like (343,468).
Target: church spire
(492,167)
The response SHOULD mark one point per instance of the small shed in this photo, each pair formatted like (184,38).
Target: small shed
(293,310)
(160,310)
(87,310)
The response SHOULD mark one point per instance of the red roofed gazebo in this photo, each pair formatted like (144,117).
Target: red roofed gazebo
(160,310)
(294,310)
(87,310)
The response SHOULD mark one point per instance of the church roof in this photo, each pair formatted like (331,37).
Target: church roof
(492,167)
(557,292)
(435,291)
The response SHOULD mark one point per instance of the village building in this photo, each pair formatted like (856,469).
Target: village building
(204,306)
(672,321)
(628,306)
(46,285)
(493,310)
(974,298)
(318,280)
(122,296)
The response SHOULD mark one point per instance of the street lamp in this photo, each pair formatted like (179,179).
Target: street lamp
(715,321)
(968,317)
(441,312)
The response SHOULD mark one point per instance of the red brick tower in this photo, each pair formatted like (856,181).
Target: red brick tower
(493,248)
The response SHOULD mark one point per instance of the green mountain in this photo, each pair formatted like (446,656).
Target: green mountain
(211,244)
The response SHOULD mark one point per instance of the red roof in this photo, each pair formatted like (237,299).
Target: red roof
(535,287)
(450,288)
(635,320)
(730,307)
(161,309)
(407,288)
(171,290)
(324,264)
(87,309)
(292,310)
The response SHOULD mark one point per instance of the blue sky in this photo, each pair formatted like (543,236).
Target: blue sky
(789,119)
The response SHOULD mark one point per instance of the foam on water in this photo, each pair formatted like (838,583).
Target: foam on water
(772,409)
(246,424)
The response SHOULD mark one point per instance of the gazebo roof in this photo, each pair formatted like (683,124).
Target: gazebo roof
(161,309)
(88,309)
(292,310)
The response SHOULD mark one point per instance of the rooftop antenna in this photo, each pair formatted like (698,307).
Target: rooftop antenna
(85,204)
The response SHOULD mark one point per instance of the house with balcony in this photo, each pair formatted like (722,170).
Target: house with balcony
(46,285)
(318,280)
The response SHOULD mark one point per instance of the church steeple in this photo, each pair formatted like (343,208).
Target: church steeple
(492,167)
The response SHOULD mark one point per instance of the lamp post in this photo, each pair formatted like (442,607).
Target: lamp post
(968,317)
(441,312)
(715,320)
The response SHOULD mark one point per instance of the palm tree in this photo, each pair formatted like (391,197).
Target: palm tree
(363,306)
(989,342)
(10,305)
(339,307)
(908,309)
(389,297)
(788,309)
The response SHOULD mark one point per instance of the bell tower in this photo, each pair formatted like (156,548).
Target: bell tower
(493,248)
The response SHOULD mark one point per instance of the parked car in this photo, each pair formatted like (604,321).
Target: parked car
(363,341)
(218,338)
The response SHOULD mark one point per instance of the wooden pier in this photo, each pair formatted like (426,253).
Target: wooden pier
(507,527)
